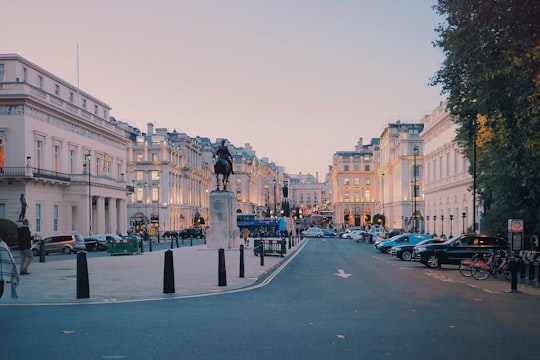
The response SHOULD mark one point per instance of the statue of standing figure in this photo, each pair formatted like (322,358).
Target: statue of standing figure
(24,205)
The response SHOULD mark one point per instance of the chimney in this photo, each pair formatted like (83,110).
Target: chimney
(150,128)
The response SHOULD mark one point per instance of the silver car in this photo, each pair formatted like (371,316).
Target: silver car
(66,244)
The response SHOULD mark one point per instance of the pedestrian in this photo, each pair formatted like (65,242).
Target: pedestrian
(25,246)
(246,236)
(8,269)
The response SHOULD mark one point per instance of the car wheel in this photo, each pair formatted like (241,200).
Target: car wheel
(432,261)
(406,256)
(67,250)
(389,250)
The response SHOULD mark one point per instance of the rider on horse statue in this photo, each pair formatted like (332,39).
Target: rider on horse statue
(223,153)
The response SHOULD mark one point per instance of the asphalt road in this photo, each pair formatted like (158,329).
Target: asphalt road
(336,300)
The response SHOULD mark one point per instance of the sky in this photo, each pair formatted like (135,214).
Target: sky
(296,79)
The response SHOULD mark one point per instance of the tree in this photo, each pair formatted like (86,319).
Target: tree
(491,74)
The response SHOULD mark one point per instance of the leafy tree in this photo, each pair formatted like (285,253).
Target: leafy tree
(491,74)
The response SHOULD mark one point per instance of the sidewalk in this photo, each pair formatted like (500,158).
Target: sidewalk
(140,277)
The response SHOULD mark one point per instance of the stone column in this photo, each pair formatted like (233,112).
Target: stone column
(223,231)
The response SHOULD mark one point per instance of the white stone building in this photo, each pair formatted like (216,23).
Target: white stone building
(447,180)
(59,149)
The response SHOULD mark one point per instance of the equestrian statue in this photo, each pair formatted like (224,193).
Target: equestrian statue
(223,165)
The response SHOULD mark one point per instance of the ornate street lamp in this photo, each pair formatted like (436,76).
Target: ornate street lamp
(442,225)
(434,226)
(427,224)
(463,216)
(88,156)
(415,154)
(451,221)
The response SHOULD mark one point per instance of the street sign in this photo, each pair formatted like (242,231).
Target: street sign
(515,225)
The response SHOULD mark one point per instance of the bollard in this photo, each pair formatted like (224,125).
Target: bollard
(536,274)
(177,245)
(262,252)
(142,245)
(83,285)
(527,272)
(241,261)
(283,247)
(289,243)
(150,244)
(168,273)
(222,272)
(191,241)
(41,251)
(514,269)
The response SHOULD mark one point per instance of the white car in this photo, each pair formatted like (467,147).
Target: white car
(354,234)
(313,232)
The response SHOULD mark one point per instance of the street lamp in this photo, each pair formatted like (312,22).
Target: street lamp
(88,156)
(158,206)
(427,224)
(382,195)
(451,220)
(434,225)
(442,226)
(275,215)
(415,154)
(463,216)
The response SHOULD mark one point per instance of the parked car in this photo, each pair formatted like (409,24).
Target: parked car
(393,232)
(386,246)
(329,233)
(101,240)
(404,252)
(458,248)
(132,238)
(195,232)
(313,232)
(66,244)
(353,234)
(90,244)
(378,231)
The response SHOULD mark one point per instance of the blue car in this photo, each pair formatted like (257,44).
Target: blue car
(386,246)
(329,233)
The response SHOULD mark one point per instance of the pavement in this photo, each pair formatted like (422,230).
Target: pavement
(140,277)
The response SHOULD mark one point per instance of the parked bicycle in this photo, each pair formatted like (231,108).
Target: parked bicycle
(497,264)
(466,265)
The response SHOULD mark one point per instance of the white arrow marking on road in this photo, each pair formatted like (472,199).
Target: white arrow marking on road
(341,273)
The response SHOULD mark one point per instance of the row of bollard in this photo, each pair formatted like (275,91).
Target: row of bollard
(83,283)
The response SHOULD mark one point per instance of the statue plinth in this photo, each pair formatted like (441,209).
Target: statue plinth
(223,231)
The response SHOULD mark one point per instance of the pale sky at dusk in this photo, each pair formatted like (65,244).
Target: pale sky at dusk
(297,79)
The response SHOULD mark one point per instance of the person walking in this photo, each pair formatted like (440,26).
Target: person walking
(25,246)
(246,236)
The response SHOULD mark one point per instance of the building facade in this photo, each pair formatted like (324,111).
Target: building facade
(447,179)
(58,149)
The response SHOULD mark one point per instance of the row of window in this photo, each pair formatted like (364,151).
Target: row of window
(39,219)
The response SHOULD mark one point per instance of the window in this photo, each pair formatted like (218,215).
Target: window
(346,182)
(154,157)
(57,90)
(72,161)
(84,103)
(356,181)
(345,167)
(40,82)
(139,157)
(56,158)
(71,97)
(367,181)
(1,72)
(346,196)
(39,153)
(38,218)
(367,157)
(155,193)
(140,194)
(2,164)
(25,74)
(55,218)
(366,168)
(367,195)
(154,174)
(139,175)
(95,109)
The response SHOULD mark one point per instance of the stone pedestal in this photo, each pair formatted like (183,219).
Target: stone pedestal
(223,231)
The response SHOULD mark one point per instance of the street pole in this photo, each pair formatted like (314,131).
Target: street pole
(415,153)
(88,157)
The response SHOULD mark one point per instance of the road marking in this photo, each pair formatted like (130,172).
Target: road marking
(341,273)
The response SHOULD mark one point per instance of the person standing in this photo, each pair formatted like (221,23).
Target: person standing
(24,205)
(25,246)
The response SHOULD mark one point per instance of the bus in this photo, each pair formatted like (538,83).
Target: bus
(269,227)
(317,220)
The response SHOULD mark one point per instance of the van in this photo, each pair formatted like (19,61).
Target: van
(377,231)
(66,244)
(386,246)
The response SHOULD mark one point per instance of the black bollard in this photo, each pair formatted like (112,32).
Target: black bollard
(177,245)
(168,273)
(150,244)
(241,261)
(191,241)
(41,251)
(514,279)
(83,285)
(222,272)
(262,252)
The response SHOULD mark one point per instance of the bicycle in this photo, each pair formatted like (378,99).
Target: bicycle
(494,266)
(466,265)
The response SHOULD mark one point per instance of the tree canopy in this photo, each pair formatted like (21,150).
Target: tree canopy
(491,74)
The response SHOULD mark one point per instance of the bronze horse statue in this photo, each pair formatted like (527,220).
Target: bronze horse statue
(222,166)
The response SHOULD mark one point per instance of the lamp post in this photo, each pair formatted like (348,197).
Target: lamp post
(442,225)
(415,154)
(451,221)
(88,156)
(463,215)
(158,206)
(275,215)
(382,198)
(434,225)
(427,224)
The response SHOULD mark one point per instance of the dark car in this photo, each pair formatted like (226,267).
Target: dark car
(186,233)
(404,252)
(458,248)
(393,232)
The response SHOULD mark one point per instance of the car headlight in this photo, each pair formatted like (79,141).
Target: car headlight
(420,249)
